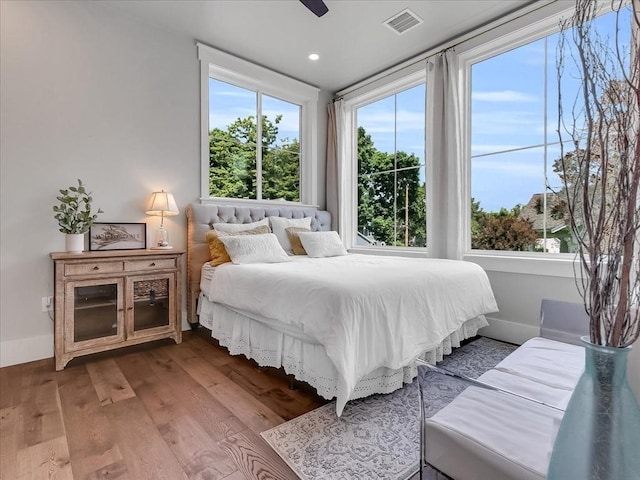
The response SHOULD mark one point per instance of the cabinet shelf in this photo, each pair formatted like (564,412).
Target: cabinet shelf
(97,303)
(128,306)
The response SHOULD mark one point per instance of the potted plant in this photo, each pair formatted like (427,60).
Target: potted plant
(599,434)
(74,215)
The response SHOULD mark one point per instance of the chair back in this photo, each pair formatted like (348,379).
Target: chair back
(563,321)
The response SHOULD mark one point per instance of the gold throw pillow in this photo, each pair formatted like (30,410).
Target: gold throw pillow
(296,244)
(217,251)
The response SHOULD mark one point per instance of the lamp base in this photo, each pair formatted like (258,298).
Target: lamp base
(166,247)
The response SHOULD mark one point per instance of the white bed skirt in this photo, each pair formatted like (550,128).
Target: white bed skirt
(307,361)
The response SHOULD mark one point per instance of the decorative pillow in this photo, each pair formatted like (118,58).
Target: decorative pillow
(254,249)
(278,224)
(322,244)
(239,227)
(217,250)
(296,245)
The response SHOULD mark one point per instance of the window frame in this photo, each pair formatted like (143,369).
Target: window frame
(404,79)
(467,58)
(241,73)
(525,29)
(518,29)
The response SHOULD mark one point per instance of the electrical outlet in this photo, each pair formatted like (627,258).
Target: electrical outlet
(47,304)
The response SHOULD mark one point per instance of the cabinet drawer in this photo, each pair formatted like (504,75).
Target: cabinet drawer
(150,264)
(96,267)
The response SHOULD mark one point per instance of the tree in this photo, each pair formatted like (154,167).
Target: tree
(504,230)
(232,161)
(477,215)
(281,171)
(389,191)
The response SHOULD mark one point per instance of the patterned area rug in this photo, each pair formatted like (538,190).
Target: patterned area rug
(376,437)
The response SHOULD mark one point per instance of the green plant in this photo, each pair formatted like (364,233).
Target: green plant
(74,212)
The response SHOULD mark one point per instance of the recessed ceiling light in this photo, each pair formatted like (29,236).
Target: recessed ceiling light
(314,56)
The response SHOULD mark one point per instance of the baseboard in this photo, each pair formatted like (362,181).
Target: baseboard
(509,331)
(29,349)
(25,350)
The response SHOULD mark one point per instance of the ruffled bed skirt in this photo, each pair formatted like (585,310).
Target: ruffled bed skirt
(307,361)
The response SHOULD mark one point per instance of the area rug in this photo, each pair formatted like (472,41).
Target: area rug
(377,437)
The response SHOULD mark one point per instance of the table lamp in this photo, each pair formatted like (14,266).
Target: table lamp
(162,204)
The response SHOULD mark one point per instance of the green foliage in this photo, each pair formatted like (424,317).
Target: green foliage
(477,215)
(74,213)
(504,230)
(232,161)
(498,232)
(380,190)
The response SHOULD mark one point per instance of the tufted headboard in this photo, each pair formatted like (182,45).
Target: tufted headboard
(200,219)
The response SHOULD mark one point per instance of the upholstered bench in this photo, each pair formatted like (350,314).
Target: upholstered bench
(503,426)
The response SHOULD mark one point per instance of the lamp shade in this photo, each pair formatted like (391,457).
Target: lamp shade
(162,204)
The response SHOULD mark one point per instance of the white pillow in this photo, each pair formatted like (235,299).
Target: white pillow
(279,224)
(239,227)
(254,249)
(322,244)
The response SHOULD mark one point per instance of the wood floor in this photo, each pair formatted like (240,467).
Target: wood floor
(158,411)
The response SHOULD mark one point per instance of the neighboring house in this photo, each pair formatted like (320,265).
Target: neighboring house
(554,223)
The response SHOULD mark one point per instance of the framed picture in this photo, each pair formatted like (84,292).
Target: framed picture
(118,236)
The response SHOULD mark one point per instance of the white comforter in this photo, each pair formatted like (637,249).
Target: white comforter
(367,311)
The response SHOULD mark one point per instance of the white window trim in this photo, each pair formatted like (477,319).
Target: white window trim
(564,265)
(249,202)
(404,79)
(225,67)
(481,48)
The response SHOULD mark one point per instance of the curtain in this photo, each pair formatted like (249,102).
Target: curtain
(448,180)
(339,177)
(332,181)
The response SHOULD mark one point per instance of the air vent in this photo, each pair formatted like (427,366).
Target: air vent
(403,21)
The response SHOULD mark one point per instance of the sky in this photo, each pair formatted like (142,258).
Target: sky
(508,119)
(227,103)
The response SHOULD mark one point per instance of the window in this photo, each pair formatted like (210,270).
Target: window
(244,163)
(391,170)
(513,144)
(259,132)
(516,189)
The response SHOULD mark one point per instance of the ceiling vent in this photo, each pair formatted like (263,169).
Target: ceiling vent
(403,21)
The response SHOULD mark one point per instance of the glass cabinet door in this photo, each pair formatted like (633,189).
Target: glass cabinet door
(150,304)
(95,308)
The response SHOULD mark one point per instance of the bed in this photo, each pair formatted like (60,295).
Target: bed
(350,326)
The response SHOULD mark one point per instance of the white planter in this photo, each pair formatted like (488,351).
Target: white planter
(74,242)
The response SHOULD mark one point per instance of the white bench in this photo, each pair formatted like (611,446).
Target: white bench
(506,432)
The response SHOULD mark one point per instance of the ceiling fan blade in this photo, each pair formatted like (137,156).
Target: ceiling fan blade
(316,6)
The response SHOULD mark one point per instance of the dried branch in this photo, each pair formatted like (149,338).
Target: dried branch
(601,171)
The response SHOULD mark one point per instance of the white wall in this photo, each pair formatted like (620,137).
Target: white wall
(519,297)
(87,92)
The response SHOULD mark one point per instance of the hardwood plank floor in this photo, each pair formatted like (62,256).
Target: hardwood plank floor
(155,411)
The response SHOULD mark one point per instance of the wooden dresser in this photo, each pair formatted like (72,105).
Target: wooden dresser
(112,299)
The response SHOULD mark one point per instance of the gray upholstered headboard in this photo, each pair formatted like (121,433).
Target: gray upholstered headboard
(200,219)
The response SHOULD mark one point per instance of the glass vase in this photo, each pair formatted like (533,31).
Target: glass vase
(599,436)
